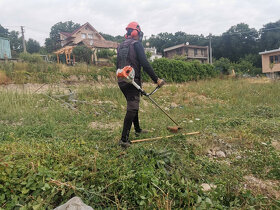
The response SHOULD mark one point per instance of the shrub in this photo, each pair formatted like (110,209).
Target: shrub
(3,78)
(105,53)
(180,71)
(223,65)
(82,54)
(243,66)
(31,58)
(247,67)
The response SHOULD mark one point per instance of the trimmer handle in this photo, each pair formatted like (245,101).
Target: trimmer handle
(156,89)
(161,83)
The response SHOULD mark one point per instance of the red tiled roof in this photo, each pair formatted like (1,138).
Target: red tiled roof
(76,30)
(65,34)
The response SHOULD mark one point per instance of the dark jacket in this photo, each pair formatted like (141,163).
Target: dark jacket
(131,52)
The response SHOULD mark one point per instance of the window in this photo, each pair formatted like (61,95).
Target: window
(187,51)
(271,59)
(91,42)
(90,36)
(178,51)
(195,52)
(276,59)
(84,36)
(202,52)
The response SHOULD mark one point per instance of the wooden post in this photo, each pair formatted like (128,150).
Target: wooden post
(66,57)
(95,56)
(57,57)
(23,40)
(162,137)
(74,59)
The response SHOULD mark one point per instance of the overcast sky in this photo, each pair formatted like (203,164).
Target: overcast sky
(154,16)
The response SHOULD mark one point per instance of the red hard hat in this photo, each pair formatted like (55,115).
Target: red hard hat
(133,25)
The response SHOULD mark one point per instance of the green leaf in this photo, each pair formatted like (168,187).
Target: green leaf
(142,197)
(198,199)
(24,191)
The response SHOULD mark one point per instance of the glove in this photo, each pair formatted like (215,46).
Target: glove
(160,82)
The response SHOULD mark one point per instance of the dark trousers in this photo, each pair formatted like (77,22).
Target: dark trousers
(132,96)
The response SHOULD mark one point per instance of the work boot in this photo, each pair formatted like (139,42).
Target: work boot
(124,144)
(141,131)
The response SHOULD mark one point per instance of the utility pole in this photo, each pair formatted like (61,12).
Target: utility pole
(23,40)
(210,45)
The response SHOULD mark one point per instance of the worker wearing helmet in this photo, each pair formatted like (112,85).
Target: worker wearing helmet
(131,53)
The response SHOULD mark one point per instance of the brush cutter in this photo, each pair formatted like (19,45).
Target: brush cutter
(128,74)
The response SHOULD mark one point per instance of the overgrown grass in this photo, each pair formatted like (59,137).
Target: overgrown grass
(50,152)
(42,72)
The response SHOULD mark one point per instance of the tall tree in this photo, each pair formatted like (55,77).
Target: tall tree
(270,36)
(32,46)
(53,42)
(165,40)
(16,43)
(236,42)
(4,32)
(109,37)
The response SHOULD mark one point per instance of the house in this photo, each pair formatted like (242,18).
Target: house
(5,48)
(84,35)
(271,63)
(153,52)
(191,52)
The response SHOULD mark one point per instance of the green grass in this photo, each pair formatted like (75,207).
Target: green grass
(49,153)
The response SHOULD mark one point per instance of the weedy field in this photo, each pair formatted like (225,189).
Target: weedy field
(53,148)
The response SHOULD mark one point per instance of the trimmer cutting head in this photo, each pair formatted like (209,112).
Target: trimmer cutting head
(174,129)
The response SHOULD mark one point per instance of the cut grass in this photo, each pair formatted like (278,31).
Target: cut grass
(49,152)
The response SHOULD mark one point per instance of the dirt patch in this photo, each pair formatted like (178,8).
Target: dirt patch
(31,88)
(192,97)
(276,145)
(102,126)
(265,187)
(14,124)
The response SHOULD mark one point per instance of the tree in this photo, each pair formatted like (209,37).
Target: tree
(32,46)
(109,37)
(161,41)
(165,40)
(236,42)
(16,43)
(270,36)
(4,32)
(53,42)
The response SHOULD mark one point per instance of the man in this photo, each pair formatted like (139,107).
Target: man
(131,52)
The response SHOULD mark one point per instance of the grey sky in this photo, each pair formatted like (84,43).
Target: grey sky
(111,16)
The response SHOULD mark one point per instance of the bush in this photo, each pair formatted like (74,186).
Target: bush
(243,66)
(180,71)
(82,54)
(31,58)
(3,78)
(105,53)
(223,65)
(247,67)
